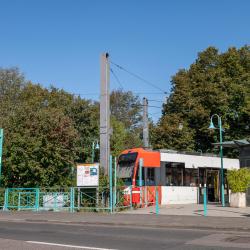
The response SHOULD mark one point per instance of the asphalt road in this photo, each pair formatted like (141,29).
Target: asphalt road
(28,236)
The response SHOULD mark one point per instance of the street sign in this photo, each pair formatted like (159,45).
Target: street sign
(88,175)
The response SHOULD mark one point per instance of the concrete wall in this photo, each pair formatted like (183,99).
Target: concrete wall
(179,195)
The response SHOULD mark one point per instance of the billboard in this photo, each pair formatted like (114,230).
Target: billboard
(88,175)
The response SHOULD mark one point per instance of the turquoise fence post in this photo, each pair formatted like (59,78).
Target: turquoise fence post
(140,179)
(19,201)
(205,199)
(6,199)
(110,185)
(131,202)
(156,200)
(115,184)
(1,153)
(72,199)
(37,199)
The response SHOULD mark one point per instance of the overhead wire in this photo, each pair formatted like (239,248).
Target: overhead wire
(116,77)
(138,77)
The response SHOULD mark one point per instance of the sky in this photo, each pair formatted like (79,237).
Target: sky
(59,42)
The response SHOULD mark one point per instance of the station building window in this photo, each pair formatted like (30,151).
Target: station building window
(178,175)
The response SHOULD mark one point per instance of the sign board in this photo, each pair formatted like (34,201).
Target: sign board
(88,175)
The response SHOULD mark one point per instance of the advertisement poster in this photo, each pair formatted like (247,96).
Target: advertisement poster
(88,175)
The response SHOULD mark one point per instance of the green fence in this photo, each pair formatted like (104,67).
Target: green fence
(110,198)
(66,199)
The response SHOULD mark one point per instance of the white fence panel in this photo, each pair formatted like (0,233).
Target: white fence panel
(179,195)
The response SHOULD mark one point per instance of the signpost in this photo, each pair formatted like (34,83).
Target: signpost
(87,177)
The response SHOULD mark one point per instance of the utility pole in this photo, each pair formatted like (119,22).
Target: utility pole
(145,123)
(105,114)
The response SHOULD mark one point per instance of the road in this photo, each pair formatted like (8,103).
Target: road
(40,235)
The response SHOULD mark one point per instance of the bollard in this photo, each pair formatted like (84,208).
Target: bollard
(156,200)
(205,199)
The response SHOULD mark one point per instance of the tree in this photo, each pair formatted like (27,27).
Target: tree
(215,83)
(126,121)
(46,131)
(126,107)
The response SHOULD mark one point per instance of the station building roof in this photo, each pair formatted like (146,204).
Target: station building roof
(234,143)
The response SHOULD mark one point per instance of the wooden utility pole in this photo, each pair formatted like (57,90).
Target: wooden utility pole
(145,123)
(105,114)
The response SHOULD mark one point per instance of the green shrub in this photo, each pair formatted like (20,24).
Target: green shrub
(239,180)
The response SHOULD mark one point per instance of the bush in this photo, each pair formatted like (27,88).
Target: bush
(239,180)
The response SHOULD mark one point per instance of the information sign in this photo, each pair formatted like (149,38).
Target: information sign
(88,175)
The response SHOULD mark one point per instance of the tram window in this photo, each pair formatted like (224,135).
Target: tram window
(150,176)
(138,179)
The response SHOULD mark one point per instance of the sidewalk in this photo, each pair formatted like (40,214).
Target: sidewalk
(132,220)
(195,210)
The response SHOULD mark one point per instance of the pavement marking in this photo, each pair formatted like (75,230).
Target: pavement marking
(69,246)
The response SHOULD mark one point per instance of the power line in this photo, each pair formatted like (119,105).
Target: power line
(116,78)
(138,77)
(148,93)
(82,94)
(155,101)
(156,113)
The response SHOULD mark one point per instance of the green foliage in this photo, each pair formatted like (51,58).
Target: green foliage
(42,133)
(238,180)
(47,130)
(125,121)
(215,83)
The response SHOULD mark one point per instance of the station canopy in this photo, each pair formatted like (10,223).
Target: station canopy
(234,144)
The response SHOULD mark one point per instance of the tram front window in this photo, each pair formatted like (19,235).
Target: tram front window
(126,165)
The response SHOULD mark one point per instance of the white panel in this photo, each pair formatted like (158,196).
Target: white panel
(195,161)
(179,195)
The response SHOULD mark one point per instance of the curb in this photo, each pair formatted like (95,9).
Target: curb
(120,224)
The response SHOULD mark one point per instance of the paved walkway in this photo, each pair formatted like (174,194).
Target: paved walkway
(195,210)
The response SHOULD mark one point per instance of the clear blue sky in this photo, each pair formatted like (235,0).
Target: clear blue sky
(59,42)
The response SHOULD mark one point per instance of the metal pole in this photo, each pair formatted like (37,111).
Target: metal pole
(6,199)
(72,199)
(221,160)
(145,187)
(156,200)
(78,198)
(130,197)
(145,123)
(37,199)
(110,185)
(140,179)
(19,201)
(1,153)
(93,152)
(104,114)
(115,184)
(205,199)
